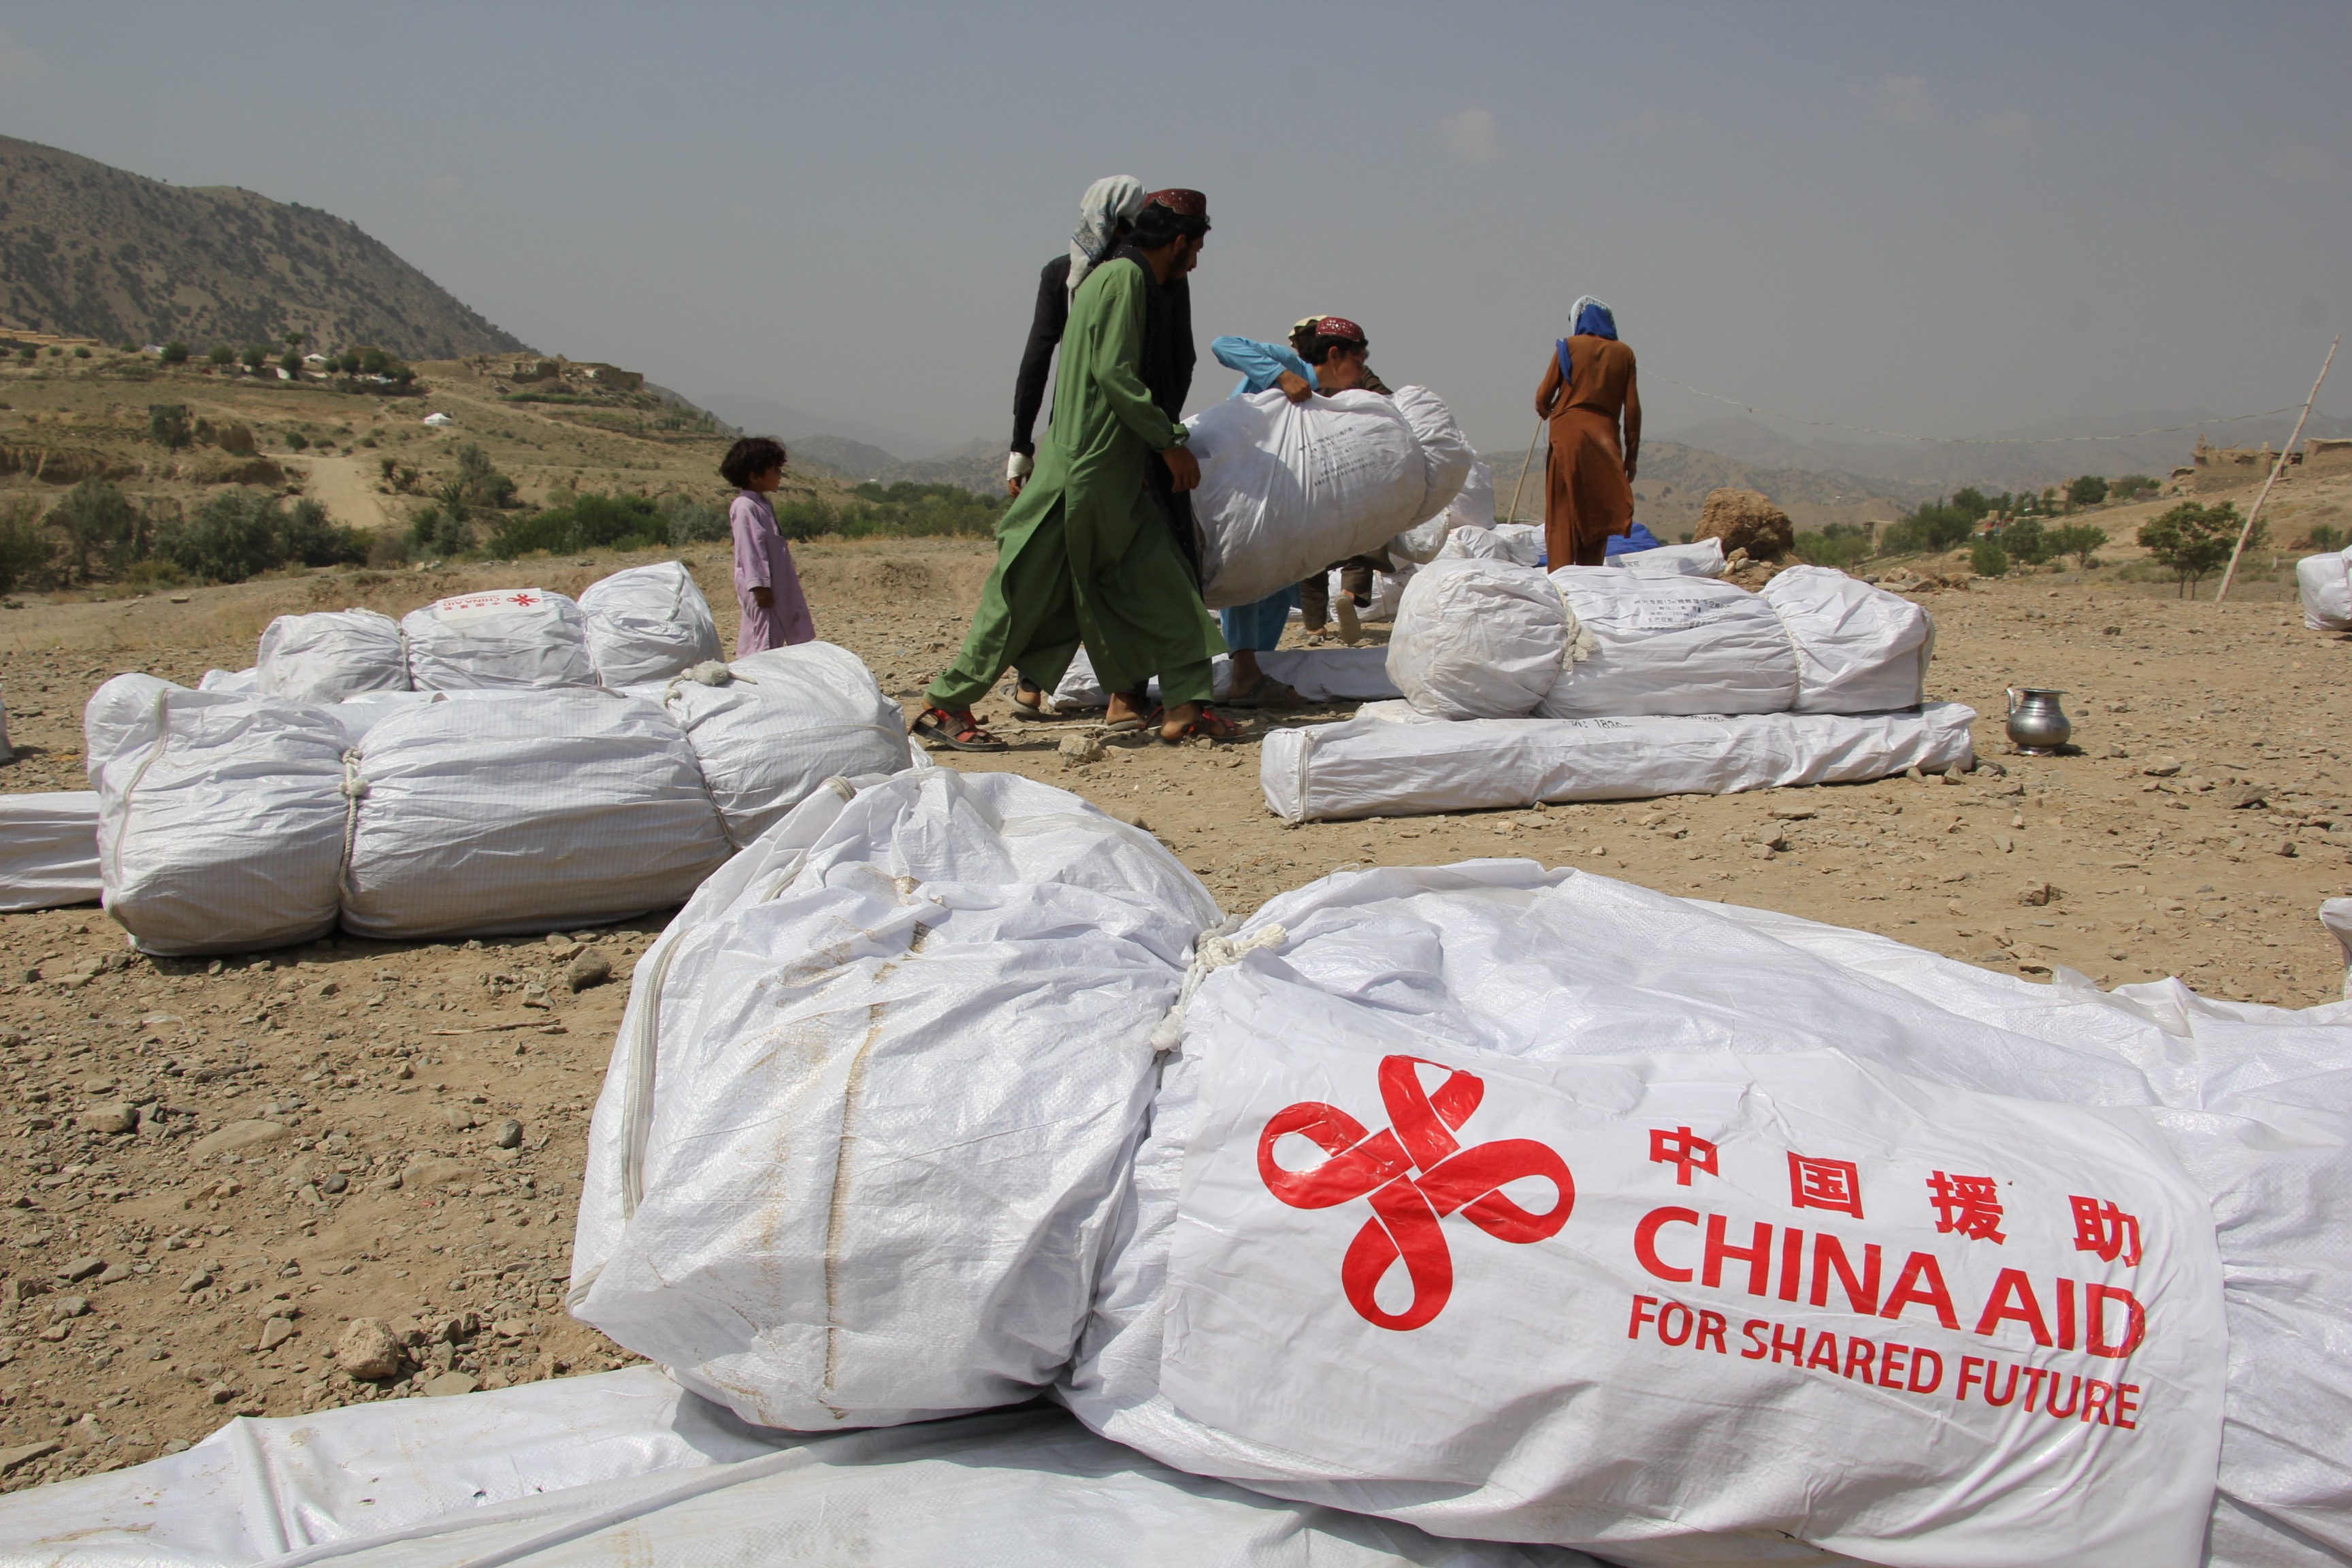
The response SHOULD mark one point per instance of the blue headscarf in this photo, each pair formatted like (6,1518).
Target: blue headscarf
(1588,318)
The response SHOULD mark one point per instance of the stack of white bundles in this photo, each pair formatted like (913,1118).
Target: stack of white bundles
(1521,544)
(1860,649)
(1478,638)
(780,723)
(512,638)
(48,850)
(1702,559)
(1287,489)
(1536,1229)
(359,714)
(509,811)
(2325,584)
(1447,458)
(1389,761)
(1472,506)
(221,815)
(625,1469)
(229,680)
(1670,646)
(648,623)
(334,653)
(873,1098)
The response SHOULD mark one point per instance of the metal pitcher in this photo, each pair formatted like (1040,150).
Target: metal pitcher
(2037,725)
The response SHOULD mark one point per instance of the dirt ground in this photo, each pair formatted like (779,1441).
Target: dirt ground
(397,1131)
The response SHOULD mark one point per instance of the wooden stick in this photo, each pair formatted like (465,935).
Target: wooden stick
(1524,464)
(2276,469)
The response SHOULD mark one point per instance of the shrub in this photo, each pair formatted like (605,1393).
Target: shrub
(1840,544)
(100,529)
(2024,540)
(221,354)
(2324,536)
(2077,539)
(583,522)
(1973,502)
(28,353)
(255,356)
(2126,486)
(2191,539)
(240,533)
(1937,526)
(439,533)
(26,547)
(291,363)
(2086,489)
(1987,559)
(82,353)
(692,521)
(168,427)
(176,353)
(479,483)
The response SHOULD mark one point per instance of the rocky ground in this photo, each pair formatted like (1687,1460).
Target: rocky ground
(209,1169)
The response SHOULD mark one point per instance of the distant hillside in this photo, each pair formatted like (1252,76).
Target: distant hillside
(87,250)
(1674,481)
(977,466)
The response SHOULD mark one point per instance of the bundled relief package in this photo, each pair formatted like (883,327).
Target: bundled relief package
(647,623)
(2324,582)
(1470,1201)
(1473,506)
(1859,648)
(221,815)
(1287,489)
(1521,544)
(330,655)
(511,638)
(873,1099)
(780,724)
(504,812)
(1479,639)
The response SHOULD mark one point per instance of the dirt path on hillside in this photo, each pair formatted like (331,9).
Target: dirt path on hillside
(346,487)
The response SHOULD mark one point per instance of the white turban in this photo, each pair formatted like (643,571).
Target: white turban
(1107,201)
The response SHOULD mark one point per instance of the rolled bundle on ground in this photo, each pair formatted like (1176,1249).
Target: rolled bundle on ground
(524,637)
(647,623)
(327,657)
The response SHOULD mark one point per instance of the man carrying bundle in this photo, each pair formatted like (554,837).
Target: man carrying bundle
(1085,551)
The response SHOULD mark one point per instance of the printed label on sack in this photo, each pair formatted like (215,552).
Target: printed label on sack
(1779,1292)
(506,604)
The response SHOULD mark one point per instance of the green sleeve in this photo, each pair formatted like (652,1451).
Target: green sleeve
(1114,342)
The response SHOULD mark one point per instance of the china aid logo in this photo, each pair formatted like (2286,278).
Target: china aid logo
(1415,1171)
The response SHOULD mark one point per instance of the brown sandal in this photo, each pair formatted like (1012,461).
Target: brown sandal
(1210,723)
(956,730)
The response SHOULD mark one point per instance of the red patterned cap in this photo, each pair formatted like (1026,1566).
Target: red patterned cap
(1340,327)
(1190,203)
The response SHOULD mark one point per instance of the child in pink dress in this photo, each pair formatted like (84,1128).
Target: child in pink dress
(776,611)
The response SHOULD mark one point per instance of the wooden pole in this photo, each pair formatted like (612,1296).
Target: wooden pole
(1524,464)
(2276,469)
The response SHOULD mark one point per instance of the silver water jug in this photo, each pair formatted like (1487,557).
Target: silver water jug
(2037,726)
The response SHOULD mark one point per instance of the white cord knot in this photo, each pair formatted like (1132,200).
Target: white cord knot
(1215,949)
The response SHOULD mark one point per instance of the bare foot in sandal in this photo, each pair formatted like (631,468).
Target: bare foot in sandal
(1191,721)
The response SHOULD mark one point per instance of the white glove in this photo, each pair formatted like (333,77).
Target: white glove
(1018,466)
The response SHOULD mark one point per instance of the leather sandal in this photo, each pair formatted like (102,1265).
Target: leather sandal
(958,731)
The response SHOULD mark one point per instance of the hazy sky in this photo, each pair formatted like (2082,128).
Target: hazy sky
(1954,219)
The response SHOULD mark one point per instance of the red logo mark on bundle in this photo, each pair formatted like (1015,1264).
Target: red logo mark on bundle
(524,599)
(1406,1206)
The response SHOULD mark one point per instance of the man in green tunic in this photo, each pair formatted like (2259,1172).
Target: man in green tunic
(1085,554)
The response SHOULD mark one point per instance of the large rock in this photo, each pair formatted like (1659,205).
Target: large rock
(368,1350)
(1744,519)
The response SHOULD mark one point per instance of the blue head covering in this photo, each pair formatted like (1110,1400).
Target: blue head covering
(1588,318)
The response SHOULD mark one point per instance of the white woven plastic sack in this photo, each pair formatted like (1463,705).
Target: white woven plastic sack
(1860,649)
(1670,646)
(48,850)
(2325,584)
(872,1097)
(1479,639)
(331,654)
(364,712)
(515,812)
(229,680)
(1446,456)
(511,638)
(1287,489)
(1472,506)
(648,623)
(789,718)
(624,1469)
(1702,559)
(221,816)
(1521,543)
(1473,1201)
(1390,762)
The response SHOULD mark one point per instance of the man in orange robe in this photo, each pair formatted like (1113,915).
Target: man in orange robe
(1589,473)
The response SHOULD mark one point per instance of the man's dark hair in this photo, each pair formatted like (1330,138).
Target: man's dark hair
(1158,225)
(751,454)
(1319,346)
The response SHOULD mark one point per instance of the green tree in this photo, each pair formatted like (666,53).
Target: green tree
(435,532)
(2127,486)
(100,529)
(1987,558)
(1936,527)
(26,547)
(2324,536)
(479,480)
(2025,540)
(2085,489)
(256,356)
(2191,539)
(168,427)
(2077,539)
(176,353)
(1973,502)
(241,533)
(222,354)
(692,521)
(291,363)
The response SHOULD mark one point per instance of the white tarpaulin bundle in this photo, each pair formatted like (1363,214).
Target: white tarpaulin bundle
(872,1099)
(1391,762)
(1317,674)
(233,821)
(784,722)
(1474,1201)
(2325,584)
(1473,506)
(48,850)
(509,638)
(1702,559)
(625,1469)
(1521,543)
(331,654)
(647,623)
(1287,489)
(515,812)
(1816,641)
